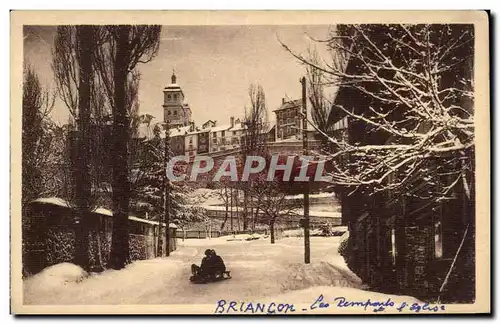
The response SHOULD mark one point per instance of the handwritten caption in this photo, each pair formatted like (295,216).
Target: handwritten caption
(368,305)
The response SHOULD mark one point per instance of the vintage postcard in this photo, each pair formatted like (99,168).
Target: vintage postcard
(250,162)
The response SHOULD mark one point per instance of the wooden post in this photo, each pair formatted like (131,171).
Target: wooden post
(307,246)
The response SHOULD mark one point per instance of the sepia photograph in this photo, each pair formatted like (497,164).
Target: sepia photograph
(285,163)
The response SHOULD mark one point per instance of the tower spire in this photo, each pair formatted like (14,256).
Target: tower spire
(174,77)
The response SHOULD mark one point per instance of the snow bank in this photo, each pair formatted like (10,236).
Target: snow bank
(56,276)
(294,233)
(244,237)
(301,276)
(126,286)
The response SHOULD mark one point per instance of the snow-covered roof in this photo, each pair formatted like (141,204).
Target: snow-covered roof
(107,212)
(101,211)
(52,200)
(220,128)
(176,131)
(172,87)
(206,130)
(290,104)
(147,221)
(238,126)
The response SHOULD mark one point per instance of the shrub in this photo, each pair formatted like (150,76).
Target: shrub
(343,248)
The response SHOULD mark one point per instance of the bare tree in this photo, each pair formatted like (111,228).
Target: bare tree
(224,193)
(320,101)
(66,68)
(124,46)
(254,136)
(417,83)
(72,65)
(37,135)
(271,199)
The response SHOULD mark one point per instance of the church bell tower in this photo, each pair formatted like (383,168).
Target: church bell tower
(174,107)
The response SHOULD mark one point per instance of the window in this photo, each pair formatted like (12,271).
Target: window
(438,241)
(190,140)
(169,97)
(393,246)
(214,135)
(175,96)
(169,113)
(223,133)
(175,112)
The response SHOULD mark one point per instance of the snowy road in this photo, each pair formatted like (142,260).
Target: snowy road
(258,269)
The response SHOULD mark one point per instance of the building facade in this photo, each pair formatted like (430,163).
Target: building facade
(178,140)
(288,120)
(191,141)
(203,141)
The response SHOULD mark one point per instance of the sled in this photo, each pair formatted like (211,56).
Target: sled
(203,280)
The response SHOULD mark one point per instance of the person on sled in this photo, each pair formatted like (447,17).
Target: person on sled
(218,266)
(212,266)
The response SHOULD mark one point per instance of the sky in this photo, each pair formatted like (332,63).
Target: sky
(214,66)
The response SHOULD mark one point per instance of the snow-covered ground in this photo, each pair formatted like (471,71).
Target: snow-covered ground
(259,270)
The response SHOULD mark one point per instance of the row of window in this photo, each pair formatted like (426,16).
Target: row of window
(438,243)
(287,113)
(223,134)
(175,96)
(288,121)
(288,131)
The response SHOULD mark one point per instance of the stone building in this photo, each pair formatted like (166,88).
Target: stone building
(175,108)
(288,120)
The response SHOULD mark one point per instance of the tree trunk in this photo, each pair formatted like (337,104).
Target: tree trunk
(231,204)
(237,207)
(166,206)
(160,237)
(245,211)
(255,217)
(271,228)
(83,186)
(227,206)
(100,264)
(225,220)
(121,186)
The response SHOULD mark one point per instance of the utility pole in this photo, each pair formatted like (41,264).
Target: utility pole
(231,205)
(307,243)
(166,201)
